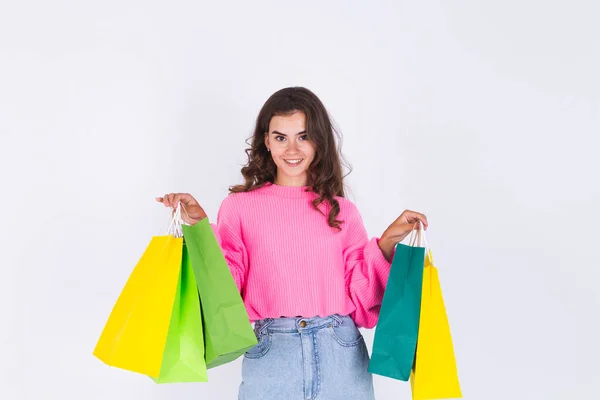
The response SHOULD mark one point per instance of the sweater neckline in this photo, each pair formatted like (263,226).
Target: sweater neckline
(292,192)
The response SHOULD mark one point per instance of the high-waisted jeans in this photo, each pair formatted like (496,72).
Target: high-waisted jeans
(305,359)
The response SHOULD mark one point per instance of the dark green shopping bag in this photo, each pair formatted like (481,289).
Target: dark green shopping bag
(227,330)
(183,357)
(395,340)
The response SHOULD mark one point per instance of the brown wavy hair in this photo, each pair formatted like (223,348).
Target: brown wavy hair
(325,175)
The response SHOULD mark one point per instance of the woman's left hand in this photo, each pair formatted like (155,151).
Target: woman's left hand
(399,229)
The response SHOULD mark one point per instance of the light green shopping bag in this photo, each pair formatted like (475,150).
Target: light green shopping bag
(183,357)
(227,330)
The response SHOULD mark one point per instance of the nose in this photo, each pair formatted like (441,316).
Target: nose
(293,145)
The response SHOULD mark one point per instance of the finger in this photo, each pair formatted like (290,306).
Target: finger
(187,199)
(404,229)
(420,218)
(184,207)
(159,199)
(170,197)
(175,200)
(423,220)
(182,199)
(184,214)
(413,216)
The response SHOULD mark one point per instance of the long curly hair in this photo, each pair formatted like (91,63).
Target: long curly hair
(325,175)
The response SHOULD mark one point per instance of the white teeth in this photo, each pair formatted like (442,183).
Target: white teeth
(293,161)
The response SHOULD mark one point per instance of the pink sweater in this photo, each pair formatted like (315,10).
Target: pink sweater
(287,261)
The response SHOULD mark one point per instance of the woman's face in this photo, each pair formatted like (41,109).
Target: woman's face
(290,148)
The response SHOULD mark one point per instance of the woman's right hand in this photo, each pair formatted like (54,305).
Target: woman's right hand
(191,211)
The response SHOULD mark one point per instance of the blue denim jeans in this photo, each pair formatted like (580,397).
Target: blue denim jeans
(305,359)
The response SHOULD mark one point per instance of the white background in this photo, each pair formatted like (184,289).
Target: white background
(483,115)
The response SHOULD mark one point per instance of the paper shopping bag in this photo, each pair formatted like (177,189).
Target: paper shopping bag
(395,340)
(183,357)
(435,373)
(134,336)
(227,330)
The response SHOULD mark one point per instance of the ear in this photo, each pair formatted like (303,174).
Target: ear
(267,141)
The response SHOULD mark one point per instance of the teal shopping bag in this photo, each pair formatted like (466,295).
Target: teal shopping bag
(395,341)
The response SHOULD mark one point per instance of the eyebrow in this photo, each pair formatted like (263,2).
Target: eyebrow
(283,134)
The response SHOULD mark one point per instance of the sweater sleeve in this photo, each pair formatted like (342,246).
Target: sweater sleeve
(367,271)
(228,231)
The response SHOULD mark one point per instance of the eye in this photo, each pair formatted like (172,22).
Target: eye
(304,137)
(280,137)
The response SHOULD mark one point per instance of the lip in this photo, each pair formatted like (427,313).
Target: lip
(293,165)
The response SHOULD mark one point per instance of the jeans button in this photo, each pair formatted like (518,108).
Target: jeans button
(303,324)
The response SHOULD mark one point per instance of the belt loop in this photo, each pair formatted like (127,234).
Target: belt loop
(264,325)
(337,318)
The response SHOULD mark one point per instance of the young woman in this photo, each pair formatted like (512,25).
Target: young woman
(301,258)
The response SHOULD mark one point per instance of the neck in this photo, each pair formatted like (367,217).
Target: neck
(293,192)
(297,181)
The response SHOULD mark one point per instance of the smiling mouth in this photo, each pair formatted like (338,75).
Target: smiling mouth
(294,162)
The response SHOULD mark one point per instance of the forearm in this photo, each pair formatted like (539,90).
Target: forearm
(386,245)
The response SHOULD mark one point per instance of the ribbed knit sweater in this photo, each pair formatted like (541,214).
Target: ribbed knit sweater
(287,261)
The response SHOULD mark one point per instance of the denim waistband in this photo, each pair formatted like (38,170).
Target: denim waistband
(299,324)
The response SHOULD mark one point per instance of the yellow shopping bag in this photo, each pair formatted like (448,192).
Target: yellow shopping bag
(135,334)
(434,375)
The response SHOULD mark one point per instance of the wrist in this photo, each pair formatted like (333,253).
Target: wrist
(202,218)
(386,246)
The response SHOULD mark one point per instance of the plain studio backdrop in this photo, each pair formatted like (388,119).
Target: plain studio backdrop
(483,115)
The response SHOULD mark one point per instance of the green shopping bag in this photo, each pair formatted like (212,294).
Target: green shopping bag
(183,356)
(227,330)
(395,340)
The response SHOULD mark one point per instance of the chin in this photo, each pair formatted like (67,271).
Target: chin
(292,174)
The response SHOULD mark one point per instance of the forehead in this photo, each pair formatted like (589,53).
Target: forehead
(288,124)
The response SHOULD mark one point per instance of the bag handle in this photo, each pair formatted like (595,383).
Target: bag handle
(175,223)
(425,245)
(418,235)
